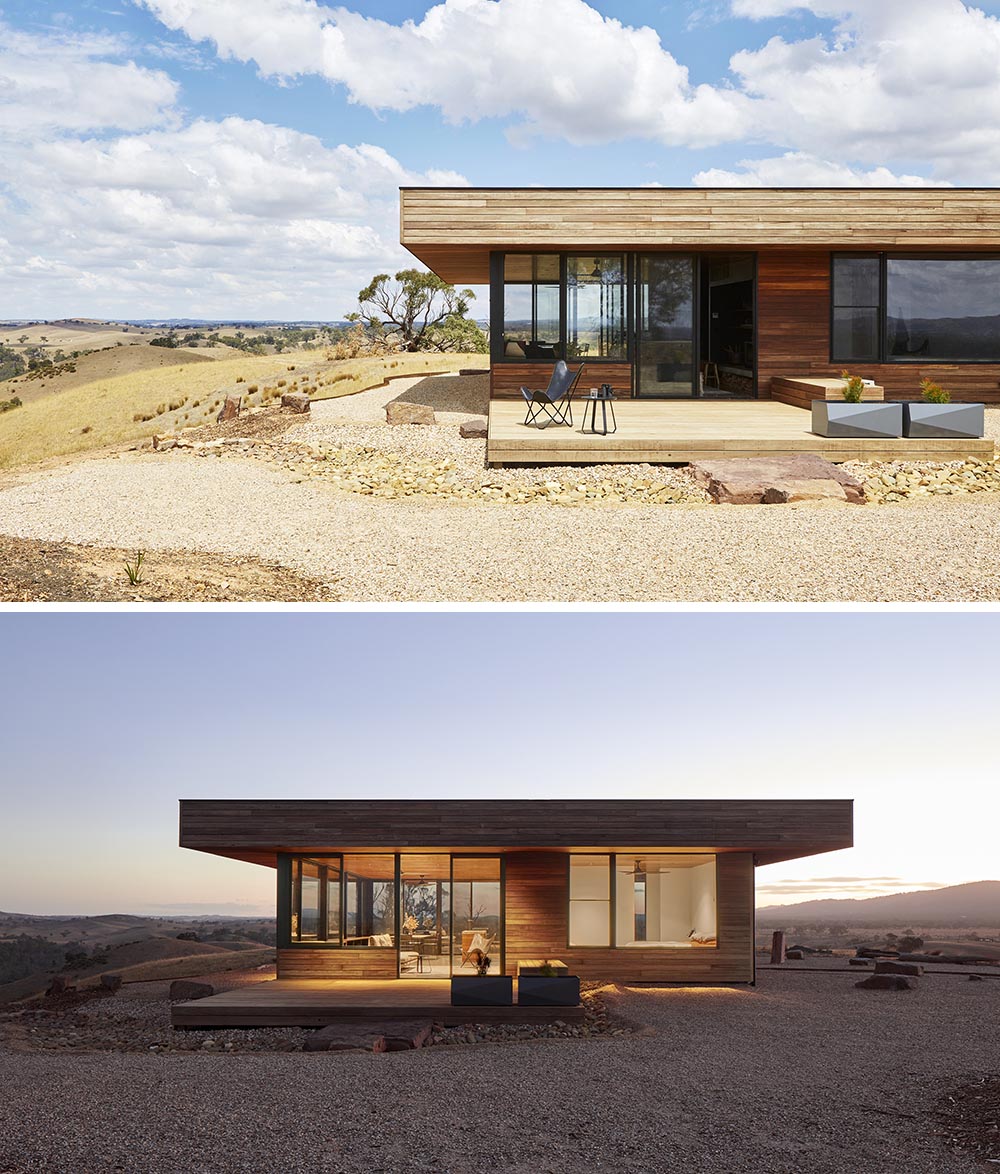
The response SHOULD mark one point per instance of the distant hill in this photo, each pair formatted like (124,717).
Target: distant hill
(974,904)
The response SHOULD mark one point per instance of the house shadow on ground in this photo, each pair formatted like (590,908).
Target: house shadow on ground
(468,394)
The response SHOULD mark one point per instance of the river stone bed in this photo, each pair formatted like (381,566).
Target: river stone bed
(138,1020)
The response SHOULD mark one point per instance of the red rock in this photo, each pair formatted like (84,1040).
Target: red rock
(774,480)
(230,409)
(296,401)
(474,429)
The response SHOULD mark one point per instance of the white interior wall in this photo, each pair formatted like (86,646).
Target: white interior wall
(703,910)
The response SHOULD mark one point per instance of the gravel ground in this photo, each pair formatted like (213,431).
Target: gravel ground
(437,549)
(419,549)
(804,1073)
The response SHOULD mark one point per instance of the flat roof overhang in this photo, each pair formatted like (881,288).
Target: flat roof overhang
(256,830)
(454,230)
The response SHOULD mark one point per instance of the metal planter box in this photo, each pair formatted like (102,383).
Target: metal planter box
(961,421)
(539,990)
(879,421)
(489,990)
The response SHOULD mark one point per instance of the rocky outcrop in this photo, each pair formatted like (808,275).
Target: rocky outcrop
(885,982)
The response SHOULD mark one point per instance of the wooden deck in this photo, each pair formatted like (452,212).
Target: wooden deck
(680,431)
(316,1002)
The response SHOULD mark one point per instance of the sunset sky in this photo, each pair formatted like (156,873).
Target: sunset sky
(164,158)
(108,720)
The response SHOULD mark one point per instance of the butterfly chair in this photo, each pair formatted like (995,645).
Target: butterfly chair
(552,406)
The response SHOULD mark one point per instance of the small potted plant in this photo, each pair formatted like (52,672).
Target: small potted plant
(936,416)
(481,989)
(853,418)
(548,986)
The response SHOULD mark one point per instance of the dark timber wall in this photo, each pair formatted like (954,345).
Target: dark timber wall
(793,336)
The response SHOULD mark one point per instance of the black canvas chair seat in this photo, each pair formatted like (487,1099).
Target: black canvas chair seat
(553,406)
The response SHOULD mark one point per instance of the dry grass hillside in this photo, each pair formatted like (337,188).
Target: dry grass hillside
(96,366)
(127,408)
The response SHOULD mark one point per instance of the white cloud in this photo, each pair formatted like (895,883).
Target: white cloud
(800,169)
(897,80)
(911,85)
(561,68)
(76,82)
(218,219)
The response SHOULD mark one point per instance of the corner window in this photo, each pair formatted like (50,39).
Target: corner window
(532,319)
(665,901)
(316,900)
(590,900)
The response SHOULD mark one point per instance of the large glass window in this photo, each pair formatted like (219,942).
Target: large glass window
(943,309)
(934,309)
(857,285)
(595,307)
(316,900)
(665,901)
(425,903)
(370,900)
(590,900)
(532,325)
(477,922)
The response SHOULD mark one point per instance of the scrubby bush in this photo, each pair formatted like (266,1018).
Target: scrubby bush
(934,393)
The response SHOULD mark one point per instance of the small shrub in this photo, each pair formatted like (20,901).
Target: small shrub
(160,409)
(86,428)
(282,382)
(241,380)
(196,403)
(176,404)
(292,368)
(8,405)
(933,393)
(134,569)
(252,388)
(854,386)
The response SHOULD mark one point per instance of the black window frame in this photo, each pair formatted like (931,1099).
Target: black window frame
(884,257)
(497,307)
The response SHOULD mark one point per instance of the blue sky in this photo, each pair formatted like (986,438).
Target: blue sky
(241,157)
(110,719)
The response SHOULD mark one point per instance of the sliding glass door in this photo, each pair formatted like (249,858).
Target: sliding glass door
(665,325)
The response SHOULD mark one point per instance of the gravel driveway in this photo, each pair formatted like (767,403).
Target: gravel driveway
(423,549)
(803,1074)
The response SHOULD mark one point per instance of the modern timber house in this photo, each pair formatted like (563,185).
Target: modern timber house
(721,298)
(630,889)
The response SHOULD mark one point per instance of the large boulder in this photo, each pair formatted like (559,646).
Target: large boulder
(346,1037)
(474,429)
(188,989)
(403,1034)
(230,409)
(776,480)
(889,967)
(295,401)
(400,412)
(111,982)
(61,985)
(885,982)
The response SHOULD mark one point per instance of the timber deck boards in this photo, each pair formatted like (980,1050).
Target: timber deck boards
(317,1002)
(681,431)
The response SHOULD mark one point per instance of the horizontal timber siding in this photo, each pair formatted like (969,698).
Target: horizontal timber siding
(776,829)
(793,336)
(452,230)
(507,379)
(537,916)
(303,962)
